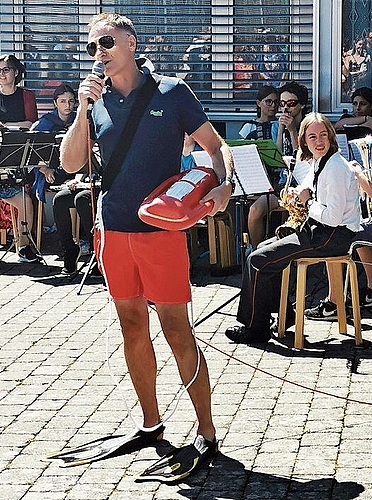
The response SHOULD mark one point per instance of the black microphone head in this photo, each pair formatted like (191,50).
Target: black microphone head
(98,69)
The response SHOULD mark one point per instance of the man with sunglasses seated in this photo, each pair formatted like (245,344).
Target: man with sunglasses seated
(143,263)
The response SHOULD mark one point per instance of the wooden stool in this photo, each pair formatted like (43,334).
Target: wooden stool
(302,265)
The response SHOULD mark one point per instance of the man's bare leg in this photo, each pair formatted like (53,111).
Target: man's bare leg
(177,331)
(140,355)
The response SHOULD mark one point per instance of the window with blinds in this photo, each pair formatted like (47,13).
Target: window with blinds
(224,49)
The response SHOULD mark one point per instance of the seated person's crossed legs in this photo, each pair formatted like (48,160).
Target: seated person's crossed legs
(62,202)
(14,196)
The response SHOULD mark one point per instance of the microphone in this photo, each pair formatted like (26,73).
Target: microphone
(98,69)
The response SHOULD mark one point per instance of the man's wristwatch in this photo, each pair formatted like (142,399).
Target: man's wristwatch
(229,179)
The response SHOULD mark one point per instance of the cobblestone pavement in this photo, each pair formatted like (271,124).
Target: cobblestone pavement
(292,425)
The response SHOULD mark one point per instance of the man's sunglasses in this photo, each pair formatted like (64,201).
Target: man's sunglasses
(291,103)
(6,70)
(105,41)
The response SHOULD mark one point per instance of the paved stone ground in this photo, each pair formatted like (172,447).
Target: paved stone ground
(292,425)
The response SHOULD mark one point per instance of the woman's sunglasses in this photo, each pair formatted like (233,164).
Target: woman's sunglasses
(105,41)
(270,102)
(291,103)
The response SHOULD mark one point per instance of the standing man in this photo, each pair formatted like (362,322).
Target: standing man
(142,263)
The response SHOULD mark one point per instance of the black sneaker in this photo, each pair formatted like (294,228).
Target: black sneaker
(26,254)
(325,310)
(367,301)
(244,335)
(70,260)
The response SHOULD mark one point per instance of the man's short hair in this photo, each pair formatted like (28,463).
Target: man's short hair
(115,20)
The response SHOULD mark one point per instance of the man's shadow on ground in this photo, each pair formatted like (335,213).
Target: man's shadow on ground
(47,273)
(228,479)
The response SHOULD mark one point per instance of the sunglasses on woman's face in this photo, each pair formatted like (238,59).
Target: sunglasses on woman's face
(291,103)
(270,102)
(6,70)
(105,41)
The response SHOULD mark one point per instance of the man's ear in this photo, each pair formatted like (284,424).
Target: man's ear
(132,43)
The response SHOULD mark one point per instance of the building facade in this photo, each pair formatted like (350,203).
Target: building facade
(225,49)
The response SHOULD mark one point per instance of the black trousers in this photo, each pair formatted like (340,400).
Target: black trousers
(260,294)
(62,202)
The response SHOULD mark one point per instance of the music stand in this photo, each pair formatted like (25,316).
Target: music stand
(20,152)
(249,172)
(269,152)
(251,179)
(272,157)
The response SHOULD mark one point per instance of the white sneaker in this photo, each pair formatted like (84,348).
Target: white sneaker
(26,254)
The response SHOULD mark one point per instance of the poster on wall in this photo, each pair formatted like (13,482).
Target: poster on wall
(356,47)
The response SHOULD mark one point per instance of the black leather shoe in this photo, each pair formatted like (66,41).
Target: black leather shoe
(244,335)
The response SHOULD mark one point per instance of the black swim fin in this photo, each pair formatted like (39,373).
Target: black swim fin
(106,447)
(181,462)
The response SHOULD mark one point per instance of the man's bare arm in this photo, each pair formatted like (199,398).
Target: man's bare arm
(76,142)
(74,146)
(222,161)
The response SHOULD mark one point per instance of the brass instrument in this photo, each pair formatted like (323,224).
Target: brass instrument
(296,209)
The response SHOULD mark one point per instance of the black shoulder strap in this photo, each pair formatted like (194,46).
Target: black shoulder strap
(321,165)
(124,142)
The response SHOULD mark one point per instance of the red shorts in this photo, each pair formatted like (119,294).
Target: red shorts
(151,265)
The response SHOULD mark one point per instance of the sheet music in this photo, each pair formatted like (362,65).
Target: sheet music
(343,145)
(355,153)
(248,167)
(301,169)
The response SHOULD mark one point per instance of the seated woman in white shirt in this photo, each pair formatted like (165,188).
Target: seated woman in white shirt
(330,192)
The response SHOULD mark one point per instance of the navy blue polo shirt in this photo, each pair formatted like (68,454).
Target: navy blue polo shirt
(155,153)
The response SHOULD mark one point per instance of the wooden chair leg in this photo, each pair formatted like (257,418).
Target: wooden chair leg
(355,302)
(283,300)
(339,295)
(212,240)
(39,223)
(3,236)
(300,305)
(15,227)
